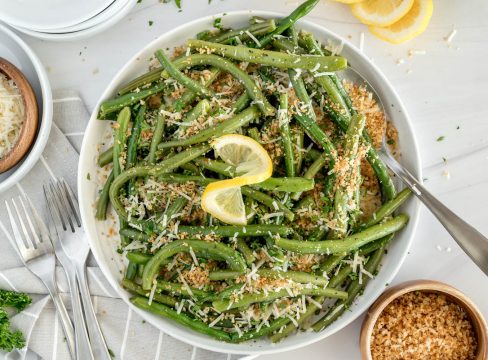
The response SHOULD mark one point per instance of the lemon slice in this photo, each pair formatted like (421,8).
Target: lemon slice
(252,162)
(409,26)
(223,199)
(381,12)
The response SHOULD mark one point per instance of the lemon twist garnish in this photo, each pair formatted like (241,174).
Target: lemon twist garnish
(223,199)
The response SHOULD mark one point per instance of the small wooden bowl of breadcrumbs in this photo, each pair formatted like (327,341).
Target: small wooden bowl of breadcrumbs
(423,319)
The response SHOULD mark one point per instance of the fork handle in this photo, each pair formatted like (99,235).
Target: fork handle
(82,342)
(63,315)
(474,244)
(99,346)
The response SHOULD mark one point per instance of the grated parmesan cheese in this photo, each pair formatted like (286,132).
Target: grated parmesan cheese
(11,114)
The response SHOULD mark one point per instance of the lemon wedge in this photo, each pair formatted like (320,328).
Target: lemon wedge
(411,25)
(381,12)
(223,199)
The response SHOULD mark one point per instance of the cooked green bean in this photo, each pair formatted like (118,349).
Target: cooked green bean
(103,199)
(135,289)
(182,318)
(285,135)
(272,58)
(350,243)
(248,299)
(257,29)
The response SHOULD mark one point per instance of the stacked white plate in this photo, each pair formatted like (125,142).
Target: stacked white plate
(63,20)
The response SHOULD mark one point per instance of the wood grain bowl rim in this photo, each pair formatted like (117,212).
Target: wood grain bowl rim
(31,117)
(430,286)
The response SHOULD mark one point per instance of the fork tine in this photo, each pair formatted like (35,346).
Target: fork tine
(57,205)
(66,205)
(15,230)
(37,241)
(73,201)
(28,240)
(54,219)
(43,232)
(65,208)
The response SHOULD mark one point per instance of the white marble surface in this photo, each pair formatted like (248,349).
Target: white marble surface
(445,92)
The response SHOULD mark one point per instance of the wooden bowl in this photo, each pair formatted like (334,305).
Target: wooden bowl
(454,295)
(29,128)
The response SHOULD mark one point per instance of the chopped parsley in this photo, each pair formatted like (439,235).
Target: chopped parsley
(9,339)
(150,22)
(440,138)
(218,24)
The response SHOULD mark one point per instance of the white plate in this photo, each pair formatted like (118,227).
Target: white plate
(111,262)
(83,34)
(18,53)
(40,15)
(103,16)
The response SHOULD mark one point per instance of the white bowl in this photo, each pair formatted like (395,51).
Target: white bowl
(49,14)
(20,54)
(98,26)
(112,264)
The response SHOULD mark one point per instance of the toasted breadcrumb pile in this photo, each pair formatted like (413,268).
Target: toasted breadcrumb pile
(420,325)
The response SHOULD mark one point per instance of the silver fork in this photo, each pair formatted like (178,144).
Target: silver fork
(36,252)
(67,252)
(65,215)
(474,243)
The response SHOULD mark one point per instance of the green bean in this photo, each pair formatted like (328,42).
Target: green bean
(106,157)
(243,34)
(296,276)
(298,136)
(387,209)
(131,271)
(206,249)
(136,289)
(268,201)
(120,139)
(350,243)
(135,234)
(248,299)
(201,108)
(138,257)
(113,105)
(184,80)
(218,275)
(342,196)
(103,199)
(245,251)
(287,45)
(286,184)
(289,21)
(152,170)
(226,127)
(272,58)
(313,170)
(132,145)
(242,102)
(327,82)
(249,84)
(183,290)
(189,96)
(375,245)
(285,135)
(237,231)
(331,262)
(352,290)
(263,331)
(182,318)
(157,135)
(141,81)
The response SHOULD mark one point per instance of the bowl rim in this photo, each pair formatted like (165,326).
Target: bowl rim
(477,319)
(45,121)
(416,169)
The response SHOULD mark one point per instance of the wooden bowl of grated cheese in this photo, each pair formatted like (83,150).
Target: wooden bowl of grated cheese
(18,115)
(423,319)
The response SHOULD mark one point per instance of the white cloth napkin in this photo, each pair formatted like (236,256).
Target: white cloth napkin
(127,335)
